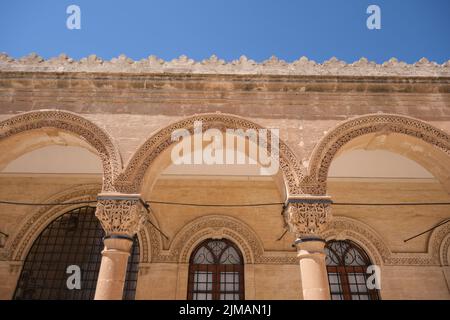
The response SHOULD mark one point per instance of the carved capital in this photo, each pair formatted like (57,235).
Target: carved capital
(120,214)
(308,216)
(3,238)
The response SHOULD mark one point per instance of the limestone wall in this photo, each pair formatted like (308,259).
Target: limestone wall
(262,280)
(131,106)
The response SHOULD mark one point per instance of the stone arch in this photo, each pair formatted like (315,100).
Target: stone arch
(35,223)
(325,151)
(439,244)
(444,251)
(82,129)
(216,226)
(150,240)
(30,229)
(343,228)
(347,228)
(131,179)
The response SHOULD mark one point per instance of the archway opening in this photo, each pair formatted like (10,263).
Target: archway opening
(40,165)
(51,157)
(391,168)
(247,189)
(64,260)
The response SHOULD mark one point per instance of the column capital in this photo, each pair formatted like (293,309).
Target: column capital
(308,216)
(120,214)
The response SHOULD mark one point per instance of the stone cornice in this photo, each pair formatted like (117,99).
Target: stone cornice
(214,65)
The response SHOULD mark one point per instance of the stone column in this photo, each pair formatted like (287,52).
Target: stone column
(307,217)
(121,216)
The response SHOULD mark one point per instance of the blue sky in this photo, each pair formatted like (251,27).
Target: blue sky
(289,29)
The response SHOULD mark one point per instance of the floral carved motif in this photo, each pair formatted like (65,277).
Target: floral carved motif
(120,216)
(308,218)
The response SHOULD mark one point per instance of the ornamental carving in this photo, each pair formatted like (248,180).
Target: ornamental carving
(209,226)
(131,179)
(20,242)
(443,252)
(378,250)
(308,218)
(216,226)
(323,154)
(29,230)
(214,65)
(120,217)
(76,125)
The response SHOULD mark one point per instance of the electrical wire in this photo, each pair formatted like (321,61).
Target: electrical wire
(392,204)
(431,229)
(243,205)
(17,203)
(216,205)
(229,205)
(282,203)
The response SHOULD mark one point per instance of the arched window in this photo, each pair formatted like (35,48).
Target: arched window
(216,272)
(347,265)
(75,238)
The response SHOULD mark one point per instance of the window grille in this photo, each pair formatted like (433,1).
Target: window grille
(216,272)
(347,265)
(75,238)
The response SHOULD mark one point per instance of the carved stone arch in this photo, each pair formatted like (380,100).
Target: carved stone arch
(215,233)
(343,228)
(150,240)
(36,222)
(216,226)
(444,250)
(131,179)
(347,228)
(325,151)
(75,125)
(32,226)
(438,245)
(144,248)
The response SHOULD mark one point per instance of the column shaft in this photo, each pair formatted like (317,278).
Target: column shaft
(113,269)
(313,271)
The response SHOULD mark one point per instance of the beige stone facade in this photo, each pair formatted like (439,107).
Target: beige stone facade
(124,112)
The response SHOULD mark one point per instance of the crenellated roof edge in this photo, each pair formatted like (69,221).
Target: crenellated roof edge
(214,65)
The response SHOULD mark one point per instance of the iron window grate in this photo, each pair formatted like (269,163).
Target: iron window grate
(74,238)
